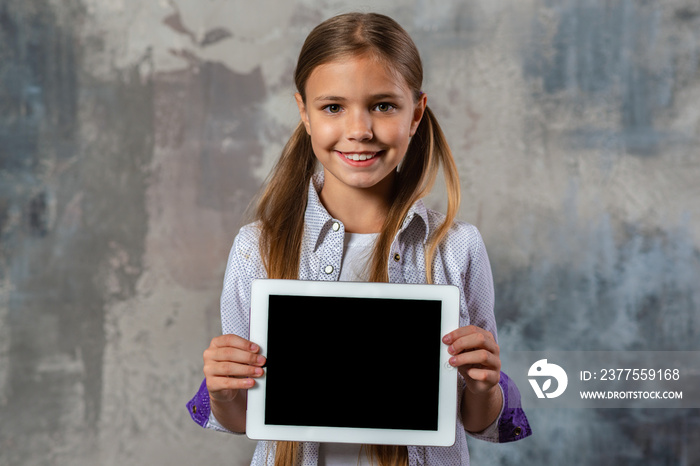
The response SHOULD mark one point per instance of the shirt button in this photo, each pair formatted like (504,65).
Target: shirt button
(336,226)
(397,257)
(328,269)
(518,430)
(194,409)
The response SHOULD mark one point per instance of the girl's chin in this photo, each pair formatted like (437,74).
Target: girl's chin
(358,181)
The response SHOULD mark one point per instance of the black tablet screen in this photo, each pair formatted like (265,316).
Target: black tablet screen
(353,362)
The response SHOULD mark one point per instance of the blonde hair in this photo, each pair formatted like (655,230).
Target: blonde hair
(282,221)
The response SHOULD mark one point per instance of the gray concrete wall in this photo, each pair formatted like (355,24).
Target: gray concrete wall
(133,135)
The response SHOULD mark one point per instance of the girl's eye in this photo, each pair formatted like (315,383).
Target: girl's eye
(384,107)
(333,108)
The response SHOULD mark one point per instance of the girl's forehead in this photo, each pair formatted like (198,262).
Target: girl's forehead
(351,72)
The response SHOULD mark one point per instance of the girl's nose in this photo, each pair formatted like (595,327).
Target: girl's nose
(359,127)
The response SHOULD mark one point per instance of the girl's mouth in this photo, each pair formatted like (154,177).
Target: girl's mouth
(359,156)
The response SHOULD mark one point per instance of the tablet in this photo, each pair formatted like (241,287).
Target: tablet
(353,362)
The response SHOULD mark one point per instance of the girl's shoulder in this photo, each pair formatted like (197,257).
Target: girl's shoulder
(462,236)
(250,232)
(246,249)
(248,237)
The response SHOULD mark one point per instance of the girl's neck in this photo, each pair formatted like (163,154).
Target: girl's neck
(362,210)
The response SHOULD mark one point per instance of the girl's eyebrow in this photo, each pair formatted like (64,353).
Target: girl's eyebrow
(387,95)
(334,98)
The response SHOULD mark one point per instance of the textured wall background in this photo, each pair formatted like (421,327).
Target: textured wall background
(133,135)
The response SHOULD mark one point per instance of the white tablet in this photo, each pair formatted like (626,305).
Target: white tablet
(353,362)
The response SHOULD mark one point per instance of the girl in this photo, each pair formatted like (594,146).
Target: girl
(365,120)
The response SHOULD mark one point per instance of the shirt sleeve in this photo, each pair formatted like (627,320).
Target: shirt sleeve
(235,315)
(511,424)
(478,286)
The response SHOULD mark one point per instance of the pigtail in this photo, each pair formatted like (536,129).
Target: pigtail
(441,155)
(281,215)
(427,152)
(282,205)
(287,453)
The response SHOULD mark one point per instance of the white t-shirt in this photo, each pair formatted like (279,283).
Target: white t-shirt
(357,249)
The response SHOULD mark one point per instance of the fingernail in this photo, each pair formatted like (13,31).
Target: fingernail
(258,371)
(451,349)
(453,361)
(253,347)
(261,360)
(447,339)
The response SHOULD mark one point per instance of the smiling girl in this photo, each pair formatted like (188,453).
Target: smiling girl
(365,121)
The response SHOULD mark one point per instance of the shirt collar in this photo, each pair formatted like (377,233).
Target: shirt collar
(417,212)
(318,221)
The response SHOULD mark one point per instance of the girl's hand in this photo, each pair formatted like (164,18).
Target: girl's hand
(476,355)
(230,364)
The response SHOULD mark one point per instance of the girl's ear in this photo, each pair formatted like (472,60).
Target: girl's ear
(302,112)
(418,112)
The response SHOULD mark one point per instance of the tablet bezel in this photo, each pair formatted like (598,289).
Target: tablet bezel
(447,398)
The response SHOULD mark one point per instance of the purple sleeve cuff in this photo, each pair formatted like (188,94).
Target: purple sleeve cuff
(513,424)
(199,405)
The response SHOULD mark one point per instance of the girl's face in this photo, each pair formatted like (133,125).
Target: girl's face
(360,116)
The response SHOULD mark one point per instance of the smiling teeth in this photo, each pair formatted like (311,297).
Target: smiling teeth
(357,157)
